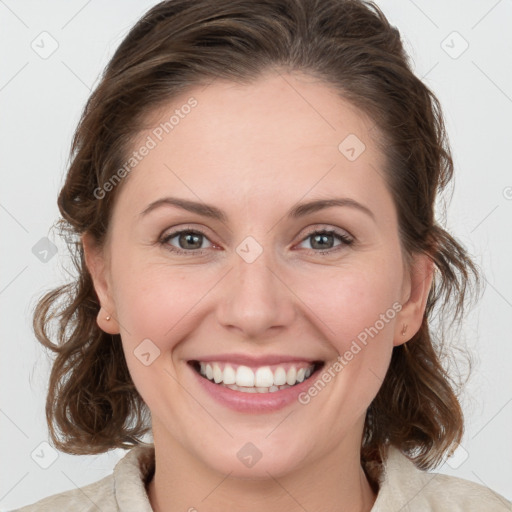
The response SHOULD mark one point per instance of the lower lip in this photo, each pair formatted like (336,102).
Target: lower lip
(254,402)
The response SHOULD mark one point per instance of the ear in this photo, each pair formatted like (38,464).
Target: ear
(415,290)
(98,266)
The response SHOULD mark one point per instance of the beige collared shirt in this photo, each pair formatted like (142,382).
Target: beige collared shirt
(403,487)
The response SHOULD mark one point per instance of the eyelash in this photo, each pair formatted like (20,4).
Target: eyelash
(345,239)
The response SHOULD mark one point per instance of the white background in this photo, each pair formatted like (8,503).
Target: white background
(41,100)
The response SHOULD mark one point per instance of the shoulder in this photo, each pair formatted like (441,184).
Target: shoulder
(84,498)
(405,487)
(124,489)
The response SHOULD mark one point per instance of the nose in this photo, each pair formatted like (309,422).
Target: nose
(255,298)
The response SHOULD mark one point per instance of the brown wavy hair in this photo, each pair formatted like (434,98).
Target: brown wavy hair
(92,404)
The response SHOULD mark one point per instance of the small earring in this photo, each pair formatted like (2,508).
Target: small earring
(404,328)
(107,318)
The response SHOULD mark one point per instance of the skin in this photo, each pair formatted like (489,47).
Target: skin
(255,151)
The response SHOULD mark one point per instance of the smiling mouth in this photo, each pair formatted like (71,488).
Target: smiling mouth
(263,379)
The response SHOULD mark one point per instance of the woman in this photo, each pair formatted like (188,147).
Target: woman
(252,200)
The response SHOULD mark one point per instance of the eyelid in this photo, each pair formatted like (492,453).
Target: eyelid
(310,230)
(170,233)
(344,236)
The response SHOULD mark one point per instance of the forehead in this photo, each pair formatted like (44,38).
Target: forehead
(284,136)
(303,110)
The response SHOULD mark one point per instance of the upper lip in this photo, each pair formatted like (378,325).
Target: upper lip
(247,360)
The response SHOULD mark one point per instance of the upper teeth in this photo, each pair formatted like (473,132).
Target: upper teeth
(261,377)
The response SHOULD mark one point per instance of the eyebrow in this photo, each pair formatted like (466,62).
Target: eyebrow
(212,212)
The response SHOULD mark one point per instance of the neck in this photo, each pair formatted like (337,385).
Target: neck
(333,482)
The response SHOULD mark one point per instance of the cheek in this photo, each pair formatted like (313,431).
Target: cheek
(157,309)
(358,314)
(356,310)
(351,303)
(154,304)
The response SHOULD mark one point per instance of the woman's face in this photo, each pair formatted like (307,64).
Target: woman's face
(257,279)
